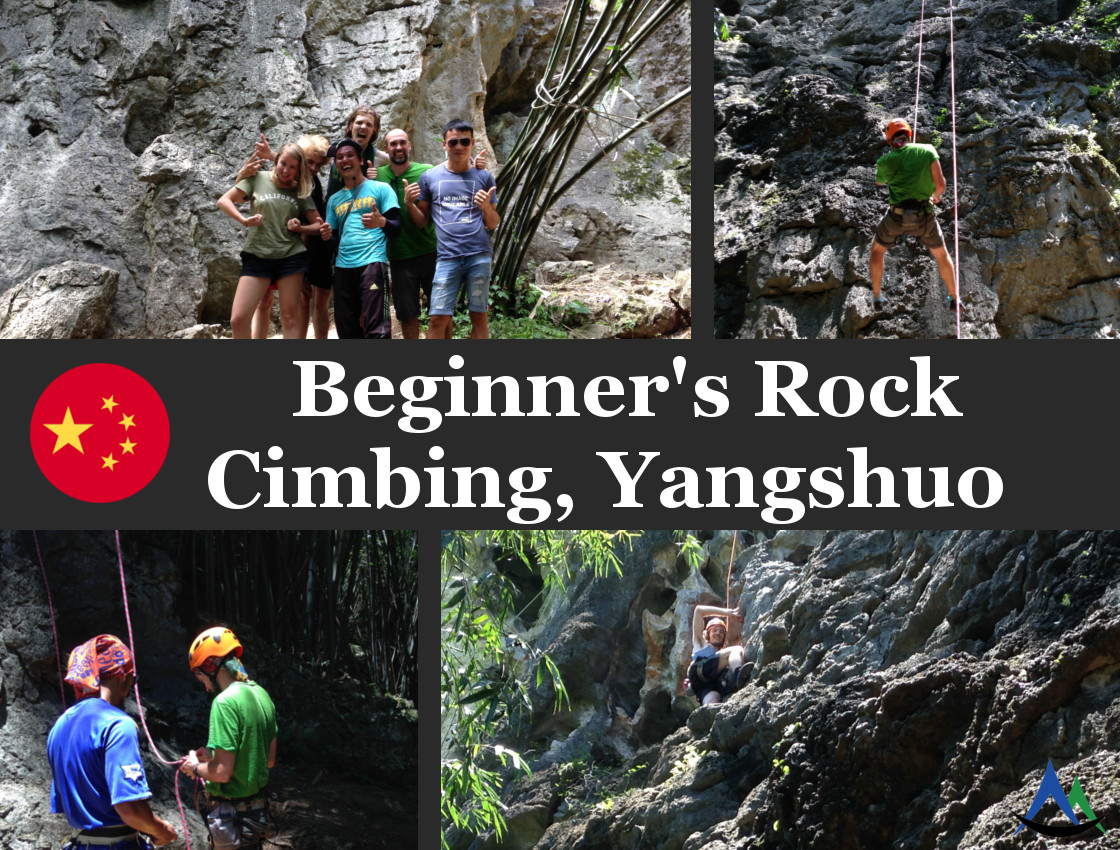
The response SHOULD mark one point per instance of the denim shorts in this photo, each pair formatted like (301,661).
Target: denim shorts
(450,275)
(273,270)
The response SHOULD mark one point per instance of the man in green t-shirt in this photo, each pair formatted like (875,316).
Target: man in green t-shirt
(913,173)
(241,746)
(412,254)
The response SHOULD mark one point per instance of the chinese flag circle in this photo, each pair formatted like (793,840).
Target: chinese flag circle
(99,432)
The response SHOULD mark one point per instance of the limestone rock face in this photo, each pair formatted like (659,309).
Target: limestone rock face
(67,301)
(804,90)
(122,123)
(906,689)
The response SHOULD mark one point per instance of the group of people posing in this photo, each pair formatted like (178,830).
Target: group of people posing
(354,239)
(98,778)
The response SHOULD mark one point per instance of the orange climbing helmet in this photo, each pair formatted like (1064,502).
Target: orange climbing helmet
(210,647)
(896,126)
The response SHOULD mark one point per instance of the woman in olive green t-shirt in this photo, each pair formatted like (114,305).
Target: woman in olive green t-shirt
(274,250)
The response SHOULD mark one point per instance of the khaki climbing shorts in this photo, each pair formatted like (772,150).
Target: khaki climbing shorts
(922,226)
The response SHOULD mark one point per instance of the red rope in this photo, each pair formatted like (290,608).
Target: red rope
(956,214)
(50,607)
(139,707)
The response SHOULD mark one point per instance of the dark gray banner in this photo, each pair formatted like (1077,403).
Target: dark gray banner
(812,434)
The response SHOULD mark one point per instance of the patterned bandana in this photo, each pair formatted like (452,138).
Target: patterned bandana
(104,656)
(236,669)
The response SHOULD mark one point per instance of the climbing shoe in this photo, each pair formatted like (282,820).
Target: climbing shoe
(953,304)
(877,304)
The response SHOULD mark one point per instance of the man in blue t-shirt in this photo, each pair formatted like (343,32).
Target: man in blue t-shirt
(98,779)
(361,270)
(461,200)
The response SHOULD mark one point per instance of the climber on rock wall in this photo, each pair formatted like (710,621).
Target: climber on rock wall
(913,173)
(717,657)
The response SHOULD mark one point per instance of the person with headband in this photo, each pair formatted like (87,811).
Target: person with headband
(717,656)
(241,746)
(97,777)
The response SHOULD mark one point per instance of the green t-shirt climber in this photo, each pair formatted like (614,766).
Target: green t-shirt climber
(912,173)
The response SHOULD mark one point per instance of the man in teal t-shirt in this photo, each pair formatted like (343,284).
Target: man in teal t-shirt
(412,255)
(365,215)
(241,746)
(913,173)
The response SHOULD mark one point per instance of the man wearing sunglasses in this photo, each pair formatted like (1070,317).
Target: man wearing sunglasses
(460,199)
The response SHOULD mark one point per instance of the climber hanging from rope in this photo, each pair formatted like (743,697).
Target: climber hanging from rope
(717,657)
(913,173)
(98,779)
(241,746)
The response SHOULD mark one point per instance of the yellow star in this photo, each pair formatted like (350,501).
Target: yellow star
(109,404)
(127,446)
(127,422)
(110,462)
(68,432)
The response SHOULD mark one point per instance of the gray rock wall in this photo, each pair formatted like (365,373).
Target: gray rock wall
(906,690)
(122,123)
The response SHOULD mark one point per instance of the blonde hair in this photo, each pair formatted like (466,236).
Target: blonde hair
(317,145)
(303,187)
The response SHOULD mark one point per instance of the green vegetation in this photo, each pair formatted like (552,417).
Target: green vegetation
(686,764)
(979,122)
(722,31)
(485,672)
(638,173)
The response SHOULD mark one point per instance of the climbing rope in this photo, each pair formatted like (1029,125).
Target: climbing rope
(140,707)
(914,128)
(730,565)
(54,630)
(956,214)
(918,83)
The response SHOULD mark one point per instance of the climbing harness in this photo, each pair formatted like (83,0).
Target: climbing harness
(953,118)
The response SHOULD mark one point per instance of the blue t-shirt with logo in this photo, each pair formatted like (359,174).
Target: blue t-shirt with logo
(360,245)
(94,755)
(460,230)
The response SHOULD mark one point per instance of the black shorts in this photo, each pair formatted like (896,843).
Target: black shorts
(704,676)
(922,226)
(272,270)
(409,277)
(320,269)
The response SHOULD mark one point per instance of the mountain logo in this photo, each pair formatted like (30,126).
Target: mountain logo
(99,432)
(1052,787)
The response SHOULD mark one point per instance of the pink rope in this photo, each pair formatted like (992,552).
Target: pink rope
(956,212)
(139,707)
(50,607)
(918,84)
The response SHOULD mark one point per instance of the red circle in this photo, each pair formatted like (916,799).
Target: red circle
(100,432)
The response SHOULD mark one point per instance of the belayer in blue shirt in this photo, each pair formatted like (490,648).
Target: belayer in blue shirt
(98,779)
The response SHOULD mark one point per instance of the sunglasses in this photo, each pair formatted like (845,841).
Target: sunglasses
(451,143)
